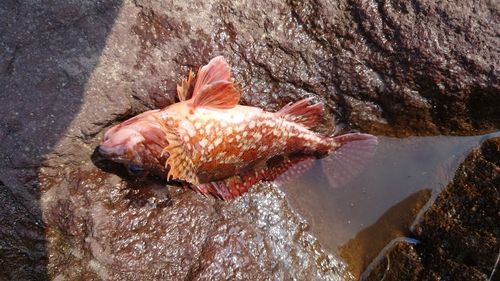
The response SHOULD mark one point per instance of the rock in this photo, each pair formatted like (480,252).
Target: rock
(70,71)
(142,229)
(458,235)
(23,241)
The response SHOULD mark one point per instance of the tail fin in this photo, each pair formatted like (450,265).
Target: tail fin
(350,158)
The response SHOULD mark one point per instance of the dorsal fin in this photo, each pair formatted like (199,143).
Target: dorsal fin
(183,89)
(214,86)
(302,113)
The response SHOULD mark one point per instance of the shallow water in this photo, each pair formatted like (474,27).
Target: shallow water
(358,219)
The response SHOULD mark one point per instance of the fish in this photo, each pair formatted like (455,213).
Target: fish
(213,145)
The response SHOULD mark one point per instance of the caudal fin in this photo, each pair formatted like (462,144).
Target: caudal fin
(349,160)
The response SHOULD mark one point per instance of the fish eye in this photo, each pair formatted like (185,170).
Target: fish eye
(134,170)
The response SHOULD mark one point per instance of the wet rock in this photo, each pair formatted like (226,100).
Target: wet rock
(259,237)
(69,71)
(143,229)
(458,235)
(128,230)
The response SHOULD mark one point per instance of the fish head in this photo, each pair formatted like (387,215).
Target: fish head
(137,143)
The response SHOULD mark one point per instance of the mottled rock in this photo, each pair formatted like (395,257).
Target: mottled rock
(128,230)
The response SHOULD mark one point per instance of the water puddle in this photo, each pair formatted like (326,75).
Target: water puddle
(359,219)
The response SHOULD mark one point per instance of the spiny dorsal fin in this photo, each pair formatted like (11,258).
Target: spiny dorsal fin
(183,89)
(302,113)
(214,86)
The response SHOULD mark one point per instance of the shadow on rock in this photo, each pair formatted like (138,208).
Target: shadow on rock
(109,166)
(150,191)
(48,54)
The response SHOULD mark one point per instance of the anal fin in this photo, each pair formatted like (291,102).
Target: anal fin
(292,170)
(226,189)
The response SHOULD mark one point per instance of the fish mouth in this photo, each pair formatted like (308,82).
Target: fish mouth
(112,152)
(122,154)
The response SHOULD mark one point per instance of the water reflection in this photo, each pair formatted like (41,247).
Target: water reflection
(393,188)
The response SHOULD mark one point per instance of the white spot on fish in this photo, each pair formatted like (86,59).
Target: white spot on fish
(187,127)
(203,142)
(257,136)
(210,147)
(240,128)
(217,141)
(228,131)
(220,156)
(209,127)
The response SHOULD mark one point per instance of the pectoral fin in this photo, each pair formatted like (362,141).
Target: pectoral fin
(179,161)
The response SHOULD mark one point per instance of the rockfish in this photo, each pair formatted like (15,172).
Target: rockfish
(215,146)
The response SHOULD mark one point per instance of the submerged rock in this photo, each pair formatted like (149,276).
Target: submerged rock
(458,236)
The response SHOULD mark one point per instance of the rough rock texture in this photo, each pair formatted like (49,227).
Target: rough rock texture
(69,70)
(22,240)
(459,234)
(141,229)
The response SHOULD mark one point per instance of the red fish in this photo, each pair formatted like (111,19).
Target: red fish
(215,146)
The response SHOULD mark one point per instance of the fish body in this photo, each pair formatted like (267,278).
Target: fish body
(218,147)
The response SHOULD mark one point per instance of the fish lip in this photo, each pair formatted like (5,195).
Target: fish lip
(111,152)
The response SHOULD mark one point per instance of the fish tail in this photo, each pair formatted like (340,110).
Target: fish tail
(351,153)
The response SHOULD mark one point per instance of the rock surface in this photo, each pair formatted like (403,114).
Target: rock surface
(71,70)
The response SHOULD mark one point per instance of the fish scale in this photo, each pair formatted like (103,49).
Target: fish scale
(215,146)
